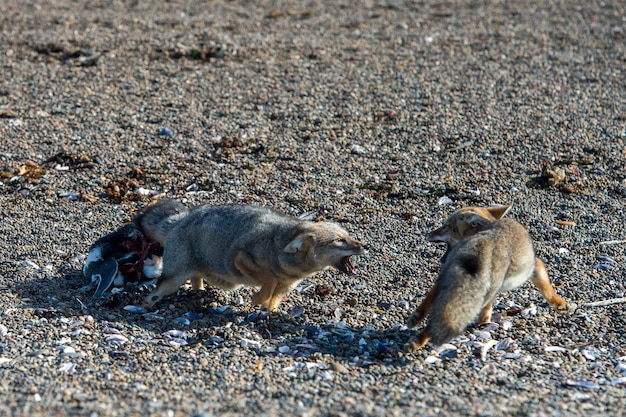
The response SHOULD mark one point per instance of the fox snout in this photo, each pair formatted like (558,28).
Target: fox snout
(438,235)
(347,247)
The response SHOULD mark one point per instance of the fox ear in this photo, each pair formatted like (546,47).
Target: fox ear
(301,243)
(499,211)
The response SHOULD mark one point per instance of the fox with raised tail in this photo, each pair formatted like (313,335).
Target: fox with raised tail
(232,245)
(487,254)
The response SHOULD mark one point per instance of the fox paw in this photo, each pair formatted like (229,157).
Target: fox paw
(566,308)
(416,343)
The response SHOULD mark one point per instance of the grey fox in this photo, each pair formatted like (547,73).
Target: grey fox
(486,255)
(232,245)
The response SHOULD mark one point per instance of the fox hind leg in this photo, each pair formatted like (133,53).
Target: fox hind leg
(542,282)
(418,341)
(423,309)
(485,314)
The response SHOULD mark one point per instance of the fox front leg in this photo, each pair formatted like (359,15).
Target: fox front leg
(267,280)
(168,285)
(422,311)
(281,289)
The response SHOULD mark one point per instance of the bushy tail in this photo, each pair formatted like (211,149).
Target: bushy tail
(157,220)
(452,313)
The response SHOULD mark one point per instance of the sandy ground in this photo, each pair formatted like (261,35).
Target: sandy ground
(383,116)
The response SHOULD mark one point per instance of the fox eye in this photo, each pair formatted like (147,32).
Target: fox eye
(474,224)
(339,240)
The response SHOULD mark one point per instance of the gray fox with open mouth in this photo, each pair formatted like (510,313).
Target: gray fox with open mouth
(232,245)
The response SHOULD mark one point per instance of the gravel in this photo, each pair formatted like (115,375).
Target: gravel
(384,116)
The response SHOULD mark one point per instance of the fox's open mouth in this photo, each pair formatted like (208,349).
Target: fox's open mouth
(346,266)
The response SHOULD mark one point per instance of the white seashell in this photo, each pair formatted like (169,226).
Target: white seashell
(590,353)
(432,359)
(445,347)
(506,325)
(504,344)
(145,191)
(554,349)
(284,349)
(111,330)
(582,384)
(490,327)
(4,360)
(530,311)
(621,368)
(136,309)
(245,343)
(444,201)
(177,333)
(327,376)
(339,313)
(607,260)
(403,304)
(483,335)
(30,264)
(357,149)
(304,287)
(563,251)
(177,342)
(68,368)
(116,338)
(488,345)
(3,330)
(580,396)
(68,195)
(513,355)
(66,349)
(309,215)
